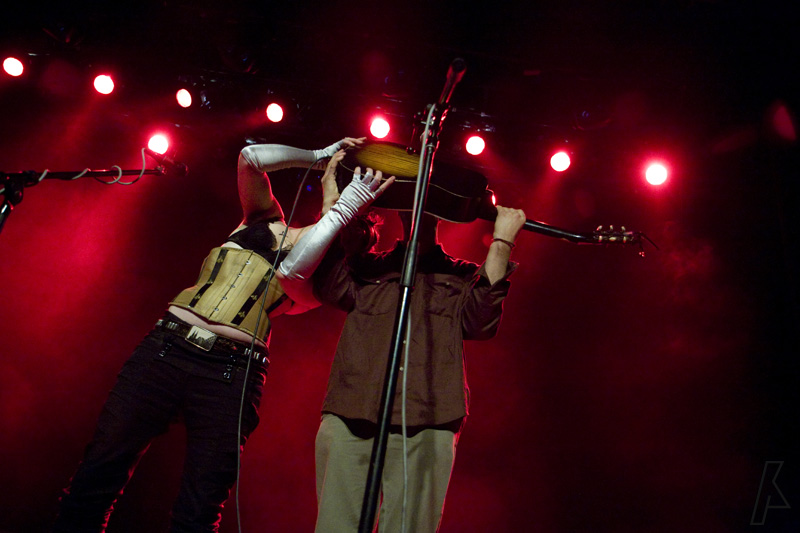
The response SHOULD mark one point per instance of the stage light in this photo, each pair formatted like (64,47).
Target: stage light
(13,66)
(475,145)
(274,112)
(158,143)
(782,122)
(656,173)
(104,84)
(560,161)
(184,98)
(379,127)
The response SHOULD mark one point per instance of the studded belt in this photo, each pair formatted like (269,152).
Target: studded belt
(206,340)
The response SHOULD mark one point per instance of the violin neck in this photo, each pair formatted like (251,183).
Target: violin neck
(552,231)
(490,213)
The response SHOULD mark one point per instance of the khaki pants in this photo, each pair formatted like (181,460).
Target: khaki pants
(342,462)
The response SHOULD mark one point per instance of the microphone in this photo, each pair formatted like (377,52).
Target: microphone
(173,168)
(454,74)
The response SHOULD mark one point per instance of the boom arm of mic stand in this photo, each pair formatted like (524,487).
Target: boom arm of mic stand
(29,178)
(13,184)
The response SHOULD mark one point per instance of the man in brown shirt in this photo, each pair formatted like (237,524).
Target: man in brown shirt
(452,300)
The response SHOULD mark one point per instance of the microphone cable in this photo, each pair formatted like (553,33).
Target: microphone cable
(404,388)
(253,342)
(403,424)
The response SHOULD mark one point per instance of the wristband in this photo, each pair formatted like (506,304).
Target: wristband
(509,243)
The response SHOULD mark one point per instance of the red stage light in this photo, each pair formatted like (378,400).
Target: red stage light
(158,143)
(475,145)
(13,66)
(656,173)
(274,112)
(560,161)
(184,98)
(379,127)
(104,84)
(783,124)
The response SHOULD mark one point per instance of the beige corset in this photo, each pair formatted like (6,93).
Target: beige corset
(231,290)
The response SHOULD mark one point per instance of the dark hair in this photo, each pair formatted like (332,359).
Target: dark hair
(259,238)
(361,234)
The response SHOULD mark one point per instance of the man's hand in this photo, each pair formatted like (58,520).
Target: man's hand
(506,226)
(508,223)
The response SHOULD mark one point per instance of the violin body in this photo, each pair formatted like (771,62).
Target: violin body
(455,194)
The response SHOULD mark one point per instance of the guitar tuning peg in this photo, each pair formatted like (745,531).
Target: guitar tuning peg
(623,229)
(599,228)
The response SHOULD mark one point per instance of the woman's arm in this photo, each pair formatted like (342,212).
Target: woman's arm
(255,161)
(296,269)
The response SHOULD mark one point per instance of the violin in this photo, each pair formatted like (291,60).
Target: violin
(456,194)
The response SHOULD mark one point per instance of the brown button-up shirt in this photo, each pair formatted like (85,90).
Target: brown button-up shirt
(452,301)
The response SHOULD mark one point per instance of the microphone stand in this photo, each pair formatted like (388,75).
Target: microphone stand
(430,141)
(13,184)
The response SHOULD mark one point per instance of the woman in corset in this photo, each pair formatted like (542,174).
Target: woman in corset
(205,361)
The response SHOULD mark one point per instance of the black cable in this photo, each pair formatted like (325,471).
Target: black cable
(253,342)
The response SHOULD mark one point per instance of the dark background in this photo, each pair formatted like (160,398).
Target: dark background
(622,393)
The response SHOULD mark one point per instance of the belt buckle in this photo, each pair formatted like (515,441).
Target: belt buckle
(202,338)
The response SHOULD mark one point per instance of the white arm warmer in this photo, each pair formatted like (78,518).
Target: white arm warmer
(269,157)
(306,255)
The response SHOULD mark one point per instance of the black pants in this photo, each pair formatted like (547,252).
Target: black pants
(167,379)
